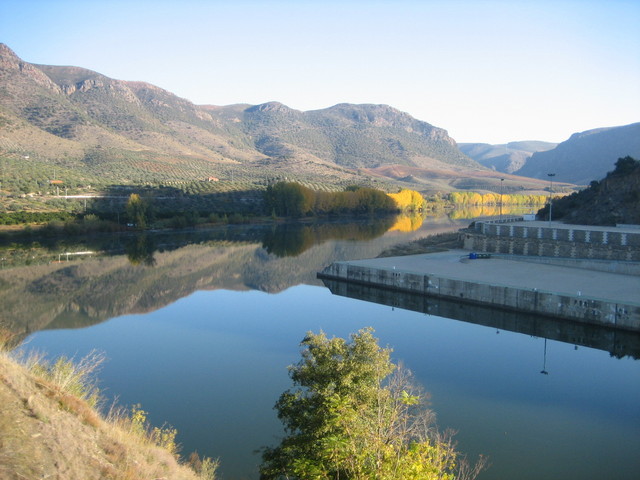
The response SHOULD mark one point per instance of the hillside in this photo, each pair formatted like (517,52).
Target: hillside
(585,156)
(505,158)
(83,128)
(613,200)
(49,431)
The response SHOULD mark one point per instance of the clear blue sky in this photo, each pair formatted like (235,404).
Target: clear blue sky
(486,71)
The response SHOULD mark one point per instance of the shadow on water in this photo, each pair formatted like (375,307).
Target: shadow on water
(618,343)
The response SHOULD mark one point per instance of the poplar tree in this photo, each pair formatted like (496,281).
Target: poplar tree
(137,211)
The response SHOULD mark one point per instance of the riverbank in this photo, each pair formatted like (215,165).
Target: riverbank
(48,430)
(441,242)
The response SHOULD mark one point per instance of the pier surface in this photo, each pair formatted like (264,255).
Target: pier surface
(579,294)
(515,273)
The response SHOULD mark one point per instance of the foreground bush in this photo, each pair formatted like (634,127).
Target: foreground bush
(355,415)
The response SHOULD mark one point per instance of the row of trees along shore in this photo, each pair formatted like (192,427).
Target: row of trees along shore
(284,199)
(474,198)
(290,199)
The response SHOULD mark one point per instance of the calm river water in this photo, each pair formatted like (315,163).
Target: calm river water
(201,335)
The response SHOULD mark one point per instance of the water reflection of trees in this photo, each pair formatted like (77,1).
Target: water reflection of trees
(475,211)
(407,223)
(292,239)
(140,250)
(282,240)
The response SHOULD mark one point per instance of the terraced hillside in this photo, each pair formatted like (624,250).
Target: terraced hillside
(81,128)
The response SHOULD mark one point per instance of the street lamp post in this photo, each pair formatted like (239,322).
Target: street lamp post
(501,183)
(551,175)
(544,362)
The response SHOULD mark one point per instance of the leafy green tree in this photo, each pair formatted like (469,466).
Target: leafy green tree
(355,415)
(294,200)
(137,211)
(369,200)
(289,199)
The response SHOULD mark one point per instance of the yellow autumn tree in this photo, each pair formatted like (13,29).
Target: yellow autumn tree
(408,200)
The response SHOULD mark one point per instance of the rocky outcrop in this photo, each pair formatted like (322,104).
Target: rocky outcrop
(613,200)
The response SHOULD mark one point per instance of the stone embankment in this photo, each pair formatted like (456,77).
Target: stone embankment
(599,297)
(513,236)
(619,343)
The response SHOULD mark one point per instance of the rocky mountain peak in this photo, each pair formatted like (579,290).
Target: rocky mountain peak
(588,133)
(378,115)
(271,107)
(385,116)
(6,52)
(11,65)
(585,156)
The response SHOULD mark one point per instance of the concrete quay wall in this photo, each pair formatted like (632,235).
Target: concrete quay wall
(580,234)
(547,247)
(559,305)
(617,342)
(513,236)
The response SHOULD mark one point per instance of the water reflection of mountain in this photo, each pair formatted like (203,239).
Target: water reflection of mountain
(154,271)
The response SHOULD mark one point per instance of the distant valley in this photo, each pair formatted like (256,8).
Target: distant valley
(583,158)
(507,158)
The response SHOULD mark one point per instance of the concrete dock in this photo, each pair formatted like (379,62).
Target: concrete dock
(596,297)
(619,246)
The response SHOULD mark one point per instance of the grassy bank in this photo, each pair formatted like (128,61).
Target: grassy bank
(51,428)
(431,244)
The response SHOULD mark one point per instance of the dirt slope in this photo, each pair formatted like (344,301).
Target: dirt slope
(47,433)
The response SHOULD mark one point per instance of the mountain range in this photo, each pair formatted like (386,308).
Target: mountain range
(74,123)
(581,159)
(585,156)
(75,119)
(507,157)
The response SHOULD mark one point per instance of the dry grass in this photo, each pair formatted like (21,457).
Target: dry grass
(50,428)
